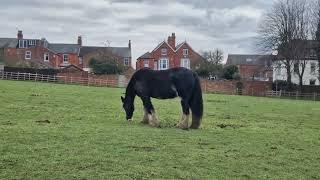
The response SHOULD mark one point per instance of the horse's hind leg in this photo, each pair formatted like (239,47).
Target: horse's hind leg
(150,113)
(184,123)
(145,119)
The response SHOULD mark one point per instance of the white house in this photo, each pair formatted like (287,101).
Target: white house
(310,76)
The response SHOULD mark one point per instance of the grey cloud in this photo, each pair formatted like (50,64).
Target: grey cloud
(206,24)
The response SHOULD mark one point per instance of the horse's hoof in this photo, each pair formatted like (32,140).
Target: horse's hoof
(144,122)
(180,126)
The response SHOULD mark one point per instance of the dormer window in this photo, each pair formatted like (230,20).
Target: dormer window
(164,52)
(23,43)
(249,60)
(32,42)
(185,52)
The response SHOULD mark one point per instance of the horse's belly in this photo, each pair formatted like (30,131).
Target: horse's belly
(168,93)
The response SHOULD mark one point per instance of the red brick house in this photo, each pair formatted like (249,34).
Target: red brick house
(253,67)
(167,55)
(54,55)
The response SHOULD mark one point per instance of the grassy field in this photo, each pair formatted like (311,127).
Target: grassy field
(50,131)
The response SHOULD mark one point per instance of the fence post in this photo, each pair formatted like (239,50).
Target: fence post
(297,95)
(314,96)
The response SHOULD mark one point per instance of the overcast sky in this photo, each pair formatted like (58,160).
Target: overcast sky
(206,24)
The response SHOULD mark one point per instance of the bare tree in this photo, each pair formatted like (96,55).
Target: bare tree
(282,29)
(215,57)
(316,29)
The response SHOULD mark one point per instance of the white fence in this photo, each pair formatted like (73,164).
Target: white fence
(111,82)
(294,95)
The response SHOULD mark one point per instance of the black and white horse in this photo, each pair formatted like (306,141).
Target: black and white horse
(166,84)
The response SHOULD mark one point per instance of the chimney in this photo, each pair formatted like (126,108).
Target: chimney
(129,45)
(172,41)
(20,35)
(79,40)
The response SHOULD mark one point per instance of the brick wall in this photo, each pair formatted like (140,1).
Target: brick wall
(250,88)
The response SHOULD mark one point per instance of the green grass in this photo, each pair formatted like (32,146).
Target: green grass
(88,137)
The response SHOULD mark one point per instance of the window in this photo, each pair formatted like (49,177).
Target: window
(312,82)
(46,57)
(65,58)
(163,64)
(80,60)
(155,65)
(185,52)
(185,63)
(249,60)
(164,52)
(313,53)
(296,67)
(313,67)
(146,63)
(23,44)
(32,42)
(27,55)
(126,61)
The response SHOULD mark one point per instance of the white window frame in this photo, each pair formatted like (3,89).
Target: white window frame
(185,52)
(164,52)
(46,57)
(126,61)
(65,58)
(146,63)
(28,55)
(163,64)
(314,81)
(32,42)
(23,43)
(185,62)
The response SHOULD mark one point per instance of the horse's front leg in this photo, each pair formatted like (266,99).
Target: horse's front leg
(149,112)
(184,122)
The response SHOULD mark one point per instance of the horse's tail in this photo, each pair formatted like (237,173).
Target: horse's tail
(196,103)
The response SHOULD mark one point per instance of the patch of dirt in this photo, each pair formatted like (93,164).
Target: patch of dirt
(7,123)
(216,101)
(142,148)
(234,126)
(43,121)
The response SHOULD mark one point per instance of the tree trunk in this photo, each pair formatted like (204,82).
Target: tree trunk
(300,84)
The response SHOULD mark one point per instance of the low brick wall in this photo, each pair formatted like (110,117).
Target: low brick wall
(250,88)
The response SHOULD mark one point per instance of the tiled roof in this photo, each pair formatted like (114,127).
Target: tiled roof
(8,42)
(119,51)
(147,55)
(249,59)
(64,48)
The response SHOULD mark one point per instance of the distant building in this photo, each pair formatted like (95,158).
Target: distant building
(56,55)
(309,56)
(253,67)
(168,55)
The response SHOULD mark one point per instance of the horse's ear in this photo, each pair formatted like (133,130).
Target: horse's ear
(122,99)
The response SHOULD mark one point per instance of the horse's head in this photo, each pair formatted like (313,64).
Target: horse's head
(128,106)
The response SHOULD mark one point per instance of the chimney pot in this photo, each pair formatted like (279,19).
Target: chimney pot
(129,45)
(79,40)
(20,35)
